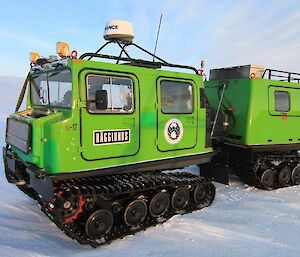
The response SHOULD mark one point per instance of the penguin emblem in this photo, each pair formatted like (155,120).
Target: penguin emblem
(173,131)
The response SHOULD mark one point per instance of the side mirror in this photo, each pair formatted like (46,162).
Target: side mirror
(101,99)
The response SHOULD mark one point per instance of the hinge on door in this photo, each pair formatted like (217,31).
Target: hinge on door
(80,104)
(129,122)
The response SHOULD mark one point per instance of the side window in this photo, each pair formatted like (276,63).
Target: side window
(176,97)
(282,101)
(109,94)
(203,100)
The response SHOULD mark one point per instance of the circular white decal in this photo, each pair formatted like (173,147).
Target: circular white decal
(173,131)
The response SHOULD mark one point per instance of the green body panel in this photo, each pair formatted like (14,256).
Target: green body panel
(253,119)
(62,142)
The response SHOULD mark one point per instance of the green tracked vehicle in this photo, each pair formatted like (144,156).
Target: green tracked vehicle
(95,136)
(261,107)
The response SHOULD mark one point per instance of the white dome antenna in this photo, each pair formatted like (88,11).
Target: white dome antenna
(119,30)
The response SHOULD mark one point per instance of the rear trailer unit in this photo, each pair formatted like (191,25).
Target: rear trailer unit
(262,140)
(95,136)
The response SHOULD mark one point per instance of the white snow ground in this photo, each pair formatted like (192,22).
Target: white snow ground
(242,221)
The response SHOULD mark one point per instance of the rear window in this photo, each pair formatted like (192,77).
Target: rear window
(282,101)
(176,97)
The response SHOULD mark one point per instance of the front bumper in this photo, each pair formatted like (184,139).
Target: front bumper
(25,174)
(10,164)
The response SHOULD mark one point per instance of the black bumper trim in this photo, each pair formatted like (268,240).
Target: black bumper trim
(174,163)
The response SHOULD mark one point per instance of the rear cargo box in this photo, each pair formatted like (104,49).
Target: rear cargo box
(246,71)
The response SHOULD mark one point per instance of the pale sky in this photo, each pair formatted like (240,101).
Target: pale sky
(222,33)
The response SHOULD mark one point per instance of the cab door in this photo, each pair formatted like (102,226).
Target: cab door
(110,121)
(176,114)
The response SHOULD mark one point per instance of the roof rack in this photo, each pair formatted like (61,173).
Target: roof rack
(282,75)
(132,61)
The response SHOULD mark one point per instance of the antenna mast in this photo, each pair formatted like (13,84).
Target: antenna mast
(157,37)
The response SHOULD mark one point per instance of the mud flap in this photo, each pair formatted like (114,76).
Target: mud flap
(216,170)
(42,185)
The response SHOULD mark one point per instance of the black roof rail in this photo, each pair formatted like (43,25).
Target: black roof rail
(281,75)
(132,61)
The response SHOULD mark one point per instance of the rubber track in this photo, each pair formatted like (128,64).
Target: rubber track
(122,186)
(248,171)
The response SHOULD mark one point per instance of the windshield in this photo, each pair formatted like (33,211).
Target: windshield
(52,88)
